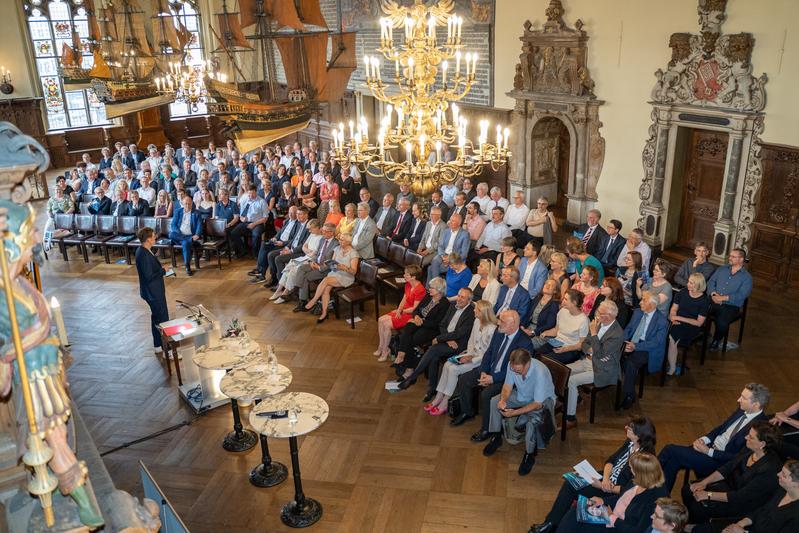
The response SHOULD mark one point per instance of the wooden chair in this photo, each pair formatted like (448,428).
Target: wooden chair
(682,354)
(104,231)
(64,228)
(126,232)
(217,239)
(594,391)
(365,288)
(381,246)
(741,318)
(162,241)
(84,229)
(560,377)
(144,222)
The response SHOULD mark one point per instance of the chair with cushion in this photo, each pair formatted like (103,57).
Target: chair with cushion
(64,228)
(144,222)
(381,246)
(741,318)
(126,232)
(216,239)
(84,229)
(162,240)
(365,288)
(560,378)
(105,228)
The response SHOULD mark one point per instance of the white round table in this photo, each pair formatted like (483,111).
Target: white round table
(306,412)
(255,382)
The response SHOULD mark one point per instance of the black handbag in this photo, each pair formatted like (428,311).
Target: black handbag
(454,407)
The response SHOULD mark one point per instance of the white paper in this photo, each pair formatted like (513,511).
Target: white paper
(399,280)
(383,270)
(302,259)
(392,385)
(586,471)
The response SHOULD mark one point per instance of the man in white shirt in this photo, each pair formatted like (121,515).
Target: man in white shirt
(153,158)
(88,160)
(448,192)
(497,200)
(516,214)
(712,450)
(386,215)
(146,191)
(201,163)
(635,243)
(482,199)
(488,245)
(254,214)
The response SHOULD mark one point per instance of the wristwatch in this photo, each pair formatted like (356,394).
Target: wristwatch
(709,495)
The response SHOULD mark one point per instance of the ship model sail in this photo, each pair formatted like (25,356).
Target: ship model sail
(73,74)
(132,59)
(256,113)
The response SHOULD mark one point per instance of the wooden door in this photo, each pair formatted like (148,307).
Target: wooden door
(551,160)
(704,176)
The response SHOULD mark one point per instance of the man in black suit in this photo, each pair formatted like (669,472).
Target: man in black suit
(612,248)
(101,204)
(403,223)
(709,452)
(460,206)
(436,201)
(454,332)
(593,234)
(151,283)
(366,196)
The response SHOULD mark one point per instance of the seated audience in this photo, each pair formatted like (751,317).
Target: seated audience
(474,223)
(137,207)
(564,342)
(309,248)
(658,286)
(366,196)
(453,239)
(639,437)
(483,327)
(670,516)
(591,234)
(631,276)
(402,223)
(741,485)
(711,451)
(788,422)
(541,223)
(315,270)
(611,291)
(511,295)
(341,273)
(59,203)
(423,326)
(482,199)
(558,263)
(291,227)
(484,284)
(507,256)
(163,205)
(428,243)
(687,316)
(120,206)
(644,344)
(543,310)
(490,375)
(206,206)
(100,204)
(631,511)
(728,287)
(614,242)
(436,200)
(386,215)
(496,200)
(186,230)
(489,243)
(635,243)
(453,335)
(697,264)
(527,401)
(252,224)
(363,232)
(516,218)
(458,276)
(418,226)
(334,214)
(396,320)
(533,271)
(588,284)
(578,254)
(460,206)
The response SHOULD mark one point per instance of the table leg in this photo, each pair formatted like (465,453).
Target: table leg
(177,363)
(302,512)
(269,473)
(240,439)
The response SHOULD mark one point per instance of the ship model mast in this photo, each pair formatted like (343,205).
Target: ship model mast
(71,69)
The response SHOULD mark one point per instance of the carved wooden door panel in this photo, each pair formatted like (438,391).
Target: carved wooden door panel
(551,160)
(704,176)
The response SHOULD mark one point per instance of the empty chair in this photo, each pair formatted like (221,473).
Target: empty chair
(84,229)
(126,232)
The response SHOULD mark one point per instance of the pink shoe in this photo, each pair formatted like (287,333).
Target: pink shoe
(429,407)
(435,411)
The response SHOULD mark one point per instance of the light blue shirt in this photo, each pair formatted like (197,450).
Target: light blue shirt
(737,286)
(448,193)
(256,211)
(534,386)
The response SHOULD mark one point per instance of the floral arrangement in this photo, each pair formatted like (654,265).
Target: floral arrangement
(236,328)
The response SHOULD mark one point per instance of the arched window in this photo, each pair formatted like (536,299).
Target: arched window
(51,24)
(189,16)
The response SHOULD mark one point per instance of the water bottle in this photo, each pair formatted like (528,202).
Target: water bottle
(271,360)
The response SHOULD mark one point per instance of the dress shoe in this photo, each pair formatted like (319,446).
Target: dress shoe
(480,436)
(460,419)
(253,272)
(527,464)
(300,307)
(714,346)
(493,444)
(429,396)
(545,527)
(406,383)
(189,272)
(628,402)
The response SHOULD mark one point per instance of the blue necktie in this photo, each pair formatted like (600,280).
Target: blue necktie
(640,331)
(501,354)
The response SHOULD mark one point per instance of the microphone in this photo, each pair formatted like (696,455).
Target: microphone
(196,309)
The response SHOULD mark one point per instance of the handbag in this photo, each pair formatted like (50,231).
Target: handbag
(454,406)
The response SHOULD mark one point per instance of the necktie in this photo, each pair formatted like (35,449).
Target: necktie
(322,252)
(399,223)
(738,426)
(508,298)
(587,235)
(640,330)
(296,240)
(607,250)
(501,354)
(245,210)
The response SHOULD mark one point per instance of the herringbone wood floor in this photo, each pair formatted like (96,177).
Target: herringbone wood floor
(379,463)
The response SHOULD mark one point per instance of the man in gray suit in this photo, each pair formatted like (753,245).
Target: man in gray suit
(363,233)
(429,243)
(602,352)
(386,216)
(278,259)
(313,270)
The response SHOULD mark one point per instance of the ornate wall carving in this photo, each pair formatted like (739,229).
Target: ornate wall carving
(552,80)
(707,84)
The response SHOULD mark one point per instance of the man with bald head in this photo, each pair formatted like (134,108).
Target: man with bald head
(491,373)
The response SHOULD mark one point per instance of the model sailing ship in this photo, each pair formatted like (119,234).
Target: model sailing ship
(73,74)
(131,59)
(256,113)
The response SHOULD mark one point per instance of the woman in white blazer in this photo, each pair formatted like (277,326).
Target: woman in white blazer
(484,284)
(482,331)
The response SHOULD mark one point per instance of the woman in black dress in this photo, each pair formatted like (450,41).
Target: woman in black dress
(687,315)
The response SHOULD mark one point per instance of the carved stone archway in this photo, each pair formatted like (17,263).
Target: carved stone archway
(552,80)
(708,84)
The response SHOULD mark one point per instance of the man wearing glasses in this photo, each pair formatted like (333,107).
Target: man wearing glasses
(729,287)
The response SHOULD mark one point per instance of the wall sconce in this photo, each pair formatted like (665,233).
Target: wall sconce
(5,86)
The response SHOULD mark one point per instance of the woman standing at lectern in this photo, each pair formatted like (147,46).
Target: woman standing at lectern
(151,283)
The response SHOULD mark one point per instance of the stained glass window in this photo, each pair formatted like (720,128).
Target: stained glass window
(51,24)
(190,17)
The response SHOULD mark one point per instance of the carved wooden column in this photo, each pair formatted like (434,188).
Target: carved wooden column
(151,129)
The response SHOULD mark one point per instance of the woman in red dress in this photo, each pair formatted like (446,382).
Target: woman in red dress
(414,293)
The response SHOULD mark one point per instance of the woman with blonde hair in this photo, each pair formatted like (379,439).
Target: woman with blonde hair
(558,263)
(342,274)
(632,509)
(687,315)
(483,329)
(546,253)
(334,214)
(347,222)
(484,284)
(163,205)
(288,278)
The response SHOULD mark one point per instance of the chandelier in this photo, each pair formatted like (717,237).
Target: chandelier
(185,82)
(421,120)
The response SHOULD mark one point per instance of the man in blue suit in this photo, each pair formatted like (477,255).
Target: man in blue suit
(709,452)
(532,272)
(151,283)
(490,375)
(454,239)
(512,295)
(186,229)
(644,345)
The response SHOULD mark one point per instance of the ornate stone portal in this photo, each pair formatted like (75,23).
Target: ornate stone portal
(552,82)
(708,84)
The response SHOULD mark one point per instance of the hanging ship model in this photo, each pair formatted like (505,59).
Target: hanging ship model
(74,75)
(257,113)
(131,60)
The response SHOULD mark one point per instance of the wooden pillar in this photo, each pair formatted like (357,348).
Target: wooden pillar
(151,129)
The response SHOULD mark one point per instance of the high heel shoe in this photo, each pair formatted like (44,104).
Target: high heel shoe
(435,411)
(321,319)
(384,357)
(429,407)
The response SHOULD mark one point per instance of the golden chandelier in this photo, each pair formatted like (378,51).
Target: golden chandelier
(422,120)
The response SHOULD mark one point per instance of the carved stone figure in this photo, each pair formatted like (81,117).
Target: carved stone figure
(680,44)
(518,78)
(712,14)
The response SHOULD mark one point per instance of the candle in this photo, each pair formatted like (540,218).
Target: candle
(431,28)
(474,64)
(455,115)
(410,68)
(422,140)
(408,148)
(457,63)
(499,136)
(444,66)
(408,28)
(460,27)
(381,139)
(419,120)
(438,151)
(366,66)
(157,83)
(400,117)
(507,132)
(58,318)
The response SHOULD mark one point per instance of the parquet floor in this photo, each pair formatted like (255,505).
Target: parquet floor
(379,463)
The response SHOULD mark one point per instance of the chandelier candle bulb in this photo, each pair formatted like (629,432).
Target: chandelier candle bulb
(438,151)
(352,130)
(507,132)
(457,64)
(444,66)
(410,68)
(431,29)
(408,150)
(422,140)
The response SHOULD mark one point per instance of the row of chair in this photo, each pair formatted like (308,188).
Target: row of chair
(108,232)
